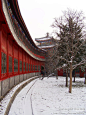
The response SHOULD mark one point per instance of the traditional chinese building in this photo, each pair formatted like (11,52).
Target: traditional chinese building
(46,42)
(20,58)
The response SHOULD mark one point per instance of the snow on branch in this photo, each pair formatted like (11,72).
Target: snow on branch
(62,58)
(63,66)
(81,63)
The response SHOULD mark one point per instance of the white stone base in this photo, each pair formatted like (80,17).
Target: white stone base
(5,86)
(16,79)
(25,76)
(11,82)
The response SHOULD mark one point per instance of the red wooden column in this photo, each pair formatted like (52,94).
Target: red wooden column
(25,62)
(10,54)
(22,61)
(18,61)
(4,51)
(13,59)
(7,55)
(37,66)
(0,46)
(34,64)
(30,63)
(40,66)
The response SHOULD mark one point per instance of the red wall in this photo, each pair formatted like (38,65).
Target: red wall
(10,48)
(60,72)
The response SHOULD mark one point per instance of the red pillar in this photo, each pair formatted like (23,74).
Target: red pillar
(18,60)
(7,55)
(0,46)
(13,59)
(25,62)
(28,63)
(31,64)
(22,62)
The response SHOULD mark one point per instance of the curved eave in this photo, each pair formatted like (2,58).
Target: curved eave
(42,39)
(46,47)
(16,11)
(10,28)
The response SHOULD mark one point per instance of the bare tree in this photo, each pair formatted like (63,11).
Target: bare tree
(71,31)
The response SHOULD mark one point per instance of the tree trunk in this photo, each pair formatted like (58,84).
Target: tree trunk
(56,76)
(70,86)
(85,81)
(74,79)
(56,73)
(67,78)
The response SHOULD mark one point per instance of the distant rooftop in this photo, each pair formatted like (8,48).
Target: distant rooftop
(46,38)
(45,42)
(43,39)
(45,47)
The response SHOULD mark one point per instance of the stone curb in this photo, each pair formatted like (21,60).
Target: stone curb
(15,94)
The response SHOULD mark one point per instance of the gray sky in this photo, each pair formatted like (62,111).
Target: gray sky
(38,15)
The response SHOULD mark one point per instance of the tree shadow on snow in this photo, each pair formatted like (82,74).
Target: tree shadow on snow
(78,84)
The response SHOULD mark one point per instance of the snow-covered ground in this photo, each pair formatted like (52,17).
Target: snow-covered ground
(6,99)
(51,97)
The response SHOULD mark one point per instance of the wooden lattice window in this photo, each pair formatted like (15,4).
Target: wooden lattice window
(20,65)
(29,67)
(33,67)
(23,66)
(4,63)
(10,64)
(15,65)
(26,66)
(39,68)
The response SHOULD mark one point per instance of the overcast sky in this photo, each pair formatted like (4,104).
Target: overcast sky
(38,15)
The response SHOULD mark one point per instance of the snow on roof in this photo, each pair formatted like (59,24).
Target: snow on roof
(49,46)
(43,39)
